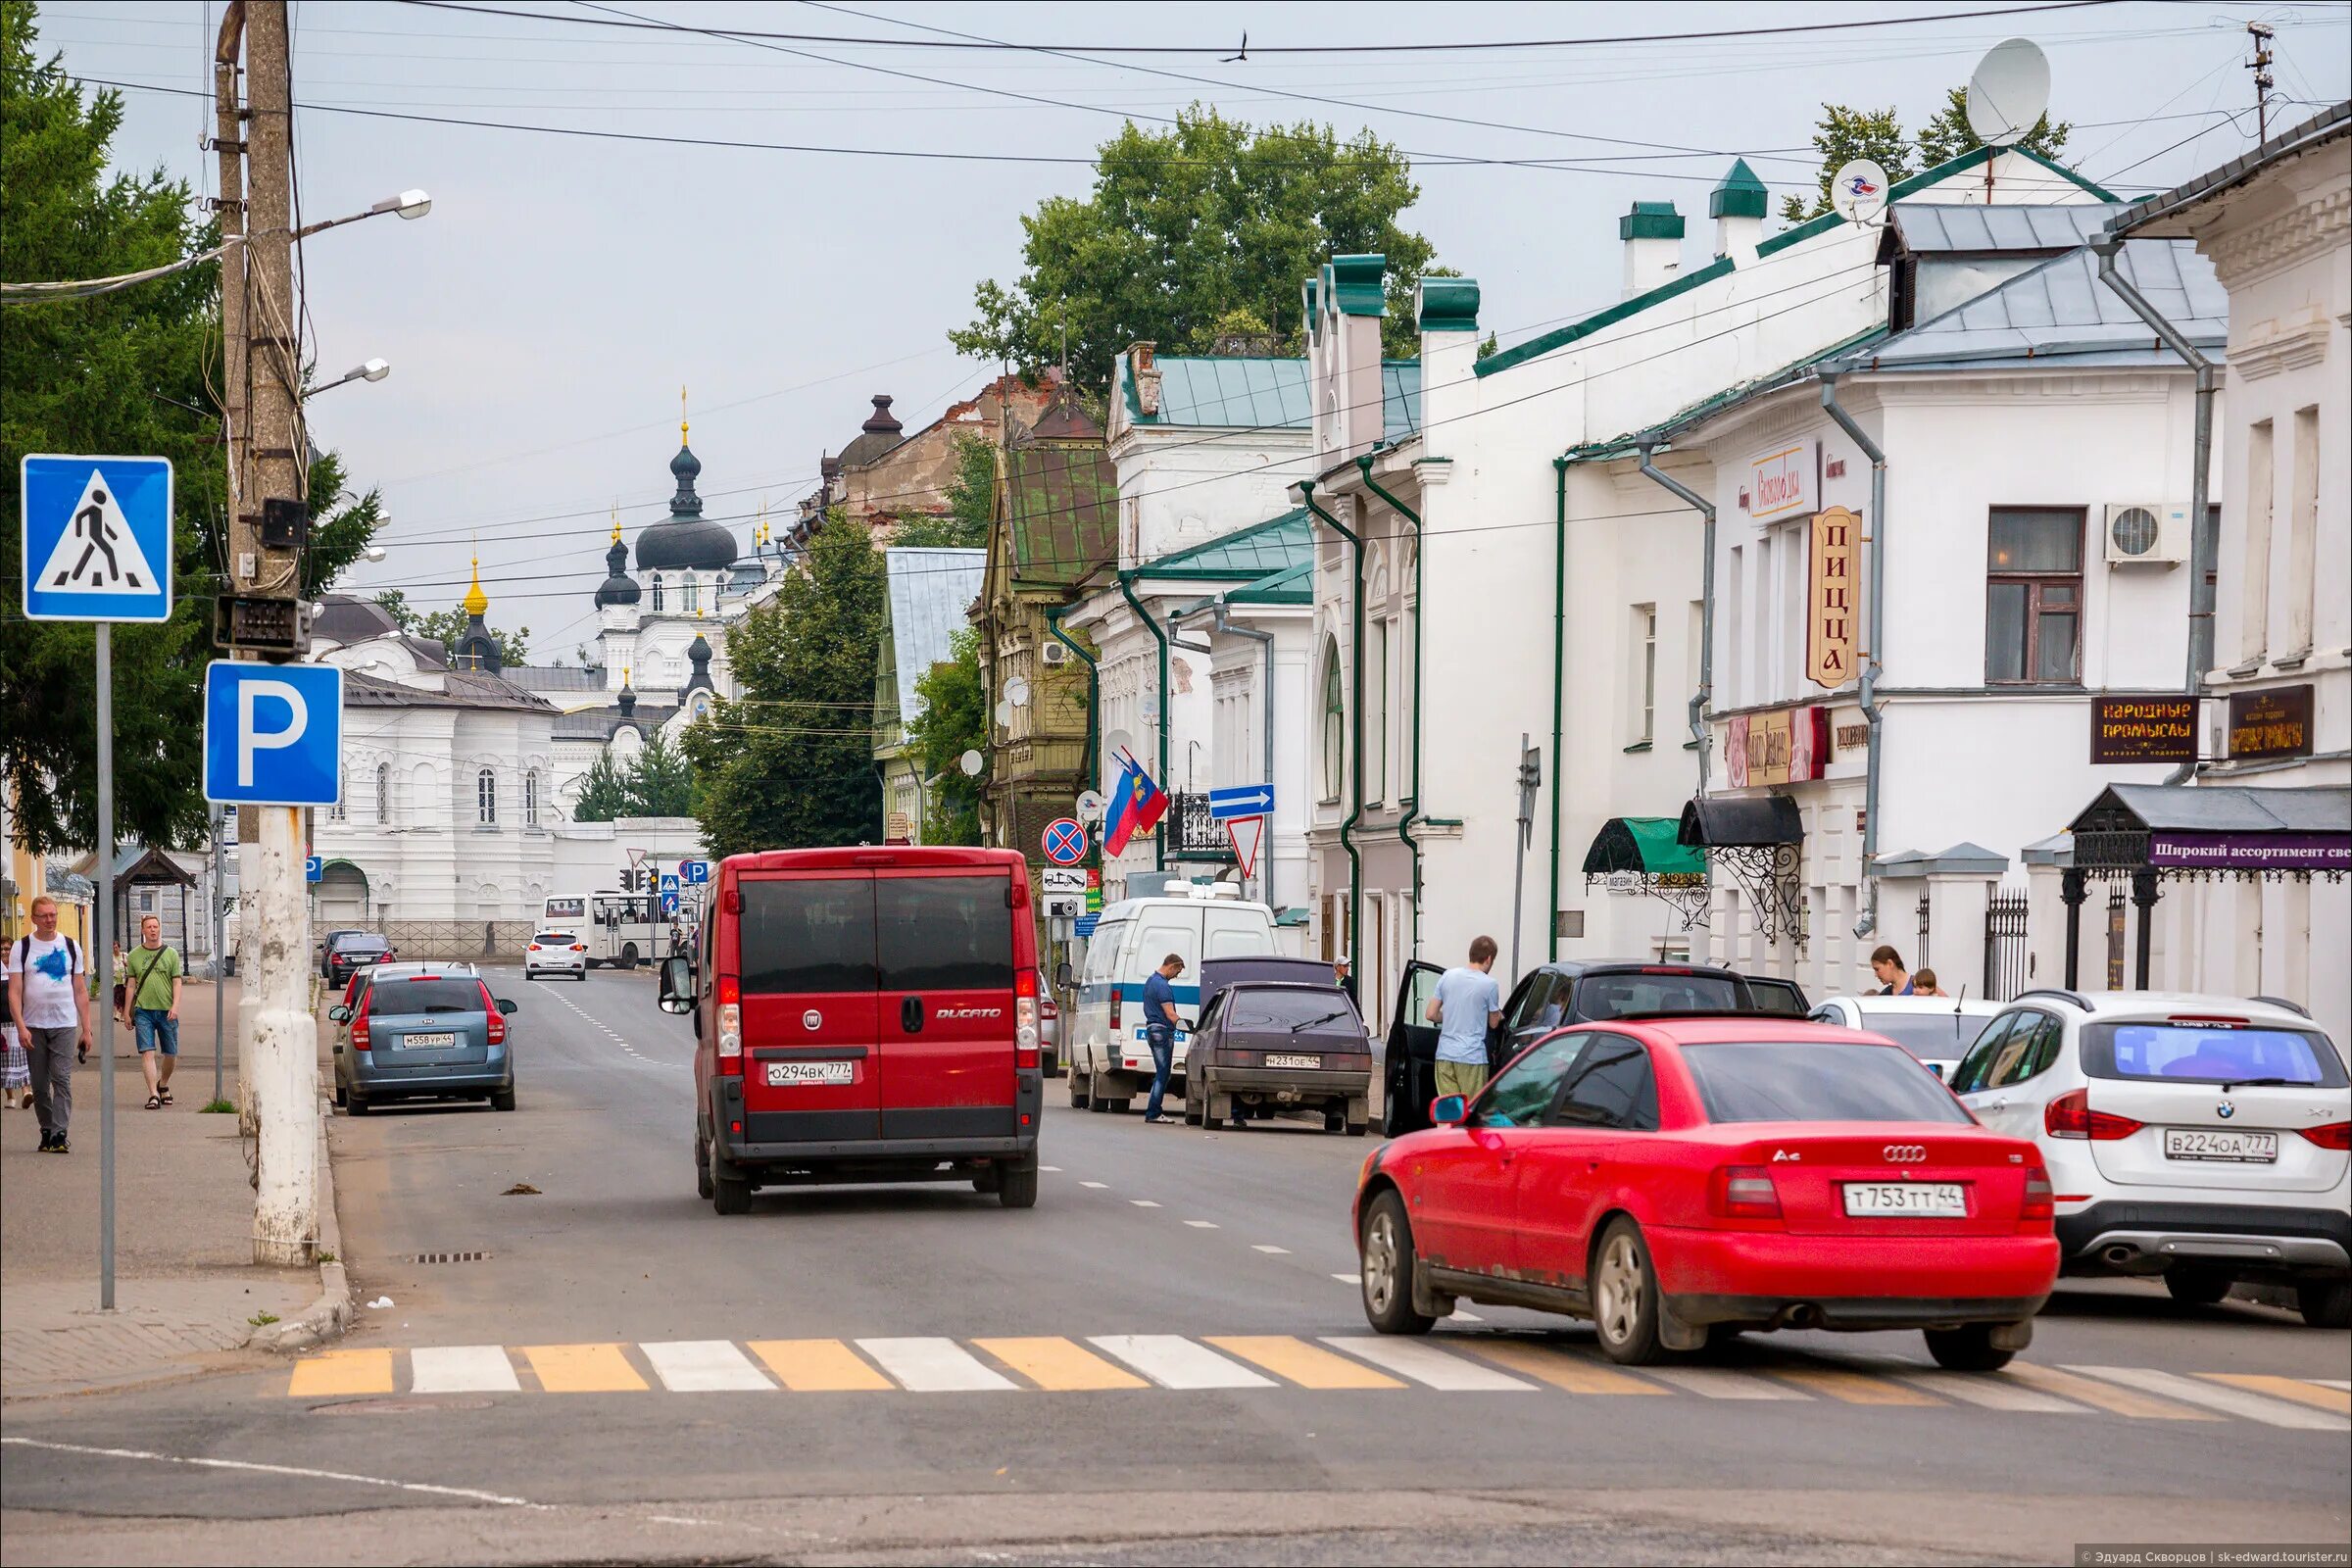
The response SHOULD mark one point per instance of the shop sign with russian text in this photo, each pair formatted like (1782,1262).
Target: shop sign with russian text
(1784,482)
(2143,729)
(1832,599)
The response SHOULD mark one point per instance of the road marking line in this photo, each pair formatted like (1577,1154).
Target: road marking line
(1098,1186)
(1055,1170)
(2299,1389)
(1143,1203)
(2334,1383)
(1175,1363)
(1721,1383)
(341,1372)
(1558,1365)
(2228,1401)
(1310,1366)
(1349,1279)
(1427,1364)
(1058,1365)
(583,1369)
(1202,1224)
(926,1365)
(704,1366)
(1994,1391)
(817,1366)
(1260,1246)
(1459,1315)
(461,1369)
(468,1493)
(1854,1388)
(2106,1396)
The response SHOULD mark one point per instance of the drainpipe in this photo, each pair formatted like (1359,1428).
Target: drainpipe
(2201,542)
(1706,598)
(1160,840)
(1356,772)
(1404,823)
(1559,677)
(1872,667)
(1094,715)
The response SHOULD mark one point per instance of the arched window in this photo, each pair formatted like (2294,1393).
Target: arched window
(656,592)
(531,799)
(687,594)
(383,793)
(1335,723)
(485,798)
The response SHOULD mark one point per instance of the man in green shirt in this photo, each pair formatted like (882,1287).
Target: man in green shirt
(153,974)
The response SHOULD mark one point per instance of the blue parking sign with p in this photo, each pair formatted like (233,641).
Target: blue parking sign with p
(97,538)
(272,734)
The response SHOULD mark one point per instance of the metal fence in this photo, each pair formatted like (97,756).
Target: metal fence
(1919,958)
(2116,908)
(452,939)
(1193,834)
(2005,950)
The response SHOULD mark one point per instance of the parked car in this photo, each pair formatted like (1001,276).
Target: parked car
(1679,1181)
(555,952)
(1049,1028)
(436,1034)
(2202,1138)
(1553,995)
(864,1016)
(356,950)
(1109,1061)
(1938,1030)
(326,943)
(1262,1047)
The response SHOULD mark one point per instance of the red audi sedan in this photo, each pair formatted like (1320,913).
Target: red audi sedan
(1679,1181)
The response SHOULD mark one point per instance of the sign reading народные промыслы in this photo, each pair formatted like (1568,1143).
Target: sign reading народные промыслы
(2143,729)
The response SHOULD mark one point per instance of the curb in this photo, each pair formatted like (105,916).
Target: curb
(329,1314)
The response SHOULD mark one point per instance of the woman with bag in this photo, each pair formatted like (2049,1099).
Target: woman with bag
(16,1068)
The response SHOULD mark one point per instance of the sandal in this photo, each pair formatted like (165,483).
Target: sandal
(164,1095)
(154,1103)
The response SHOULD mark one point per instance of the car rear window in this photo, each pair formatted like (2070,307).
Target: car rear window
(1815,1081)
(1326,1010)
(1614,995)
(1776,996)
(2203,1054)
(1928,1036)
(807,934)
(425,994)
(555,939)
(944,932)
(361,942)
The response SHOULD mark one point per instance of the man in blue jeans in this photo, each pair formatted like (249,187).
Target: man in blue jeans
(152,974)
(1159,1030)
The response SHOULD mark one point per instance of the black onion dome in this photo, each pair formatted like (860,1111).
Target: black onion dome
(683,541)
(619,587)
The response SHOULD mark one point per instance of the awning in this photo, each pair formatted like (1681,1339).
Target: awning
(2216,827)
(1722,822)
(1644,844)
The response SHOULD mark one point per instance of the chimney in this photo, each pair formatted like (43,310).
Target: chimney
(1353,294)
(1144,364)
(1652,233)
(1737,208)
(882,421)
(1446,309)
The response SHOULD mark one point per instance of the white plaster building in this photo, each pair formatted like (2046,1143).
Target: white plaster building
(925,594)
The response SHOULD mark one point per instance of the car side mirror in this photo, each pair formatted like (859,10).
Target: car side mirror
(677,984)
(339,1014)
(1061,975)
(1447,1111)
(506,1007)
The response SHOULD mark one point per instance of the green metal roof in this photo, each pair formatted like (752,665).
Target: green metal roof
(1740,195)
(1650,845)
(1063,508)
(1272,546)
(1293,585)
(1259,394)
(1651,220)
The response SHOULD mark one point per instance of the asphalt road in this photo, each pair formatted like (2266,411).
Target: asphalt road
(1156,1256)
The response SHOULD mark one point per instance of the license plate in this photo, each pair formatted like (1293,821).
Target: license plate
(1924,1199)
(428,1042)
(781,1074)
(2231,1148)
(1275,1060)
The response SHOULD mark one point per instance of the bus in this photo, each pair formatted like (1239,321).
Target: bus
(621,929)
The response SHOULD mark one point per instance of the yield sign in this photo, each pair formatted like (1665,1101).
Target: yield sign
(1249,836)
(636,859)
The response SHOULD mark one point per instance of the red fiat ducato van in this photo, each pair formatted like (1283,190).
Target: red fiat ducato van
(864,1016)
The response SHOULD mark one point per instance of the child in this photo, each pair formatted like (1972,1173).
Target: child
(1923,984)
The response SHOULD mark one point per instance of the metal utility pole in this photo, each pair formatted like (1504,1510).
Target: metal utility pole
(1531,780)
(222,821)
(2264,81)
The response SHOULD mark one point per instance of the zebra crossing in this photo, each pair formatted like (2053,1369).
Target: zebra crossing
(1449,1363)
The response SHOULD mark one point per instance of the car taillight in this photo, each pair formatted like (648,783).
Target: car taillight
(2070,1116)
(1024,1020)
(579,947)
(498,1019)
(730,1029)
(1046,1009)
(1114,1010)
(358,1031)
(2038,1198)
(1743,1192)
(2335,1135)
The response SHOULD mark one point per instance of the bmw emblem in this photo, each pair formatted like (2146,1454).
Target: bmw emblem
(2224,1111)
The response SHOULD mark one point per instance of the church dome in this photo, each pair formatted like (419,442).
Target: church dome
(619,587)
(683,541)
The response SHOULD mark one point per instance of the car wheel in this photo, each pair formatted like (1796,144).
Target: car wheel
(2325,1304)
(1625,1296)
(1967,1349)
(702,1186)
(1077,1090)
(355,1103)
(730,1189)
(1357,1129)
(502,1098)
(1335,1121)
(989,1180)
(1385,1253)
(628,955)
(2198,1287)
(1016,1185)
(342,1097)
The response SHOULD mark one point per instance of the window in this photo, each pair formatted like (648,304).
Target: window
(1376,738)
(339,811)
(2034,595)
(944,932)
(2302,533)
(1786,1080)
(530,797)
(1300,1010)
(1734,692)
(2180,1053)
(2254,601)
(2010,1050)
(1335,724)
(688,597)
(1521,1094)
(1929,1036)
(383,793)
(1541,1003)
(1611,1087)
(807,935)
(2207,596)
(427,994)
(1645,664)
(656,592)
(485,798)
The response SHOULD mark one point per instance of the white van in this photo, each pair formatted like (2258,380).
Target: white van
(1108,1061)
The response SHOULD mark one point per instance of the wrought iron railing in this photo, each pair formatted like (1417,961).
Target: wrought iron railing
(2007,964)
(1193,834)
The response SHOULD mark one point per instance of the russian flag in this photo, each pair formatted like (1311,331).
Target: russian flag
(1137,805)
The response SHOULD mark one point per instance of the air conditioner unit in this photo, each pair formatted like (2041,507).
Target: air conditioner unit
(2147,534)
(1053,653)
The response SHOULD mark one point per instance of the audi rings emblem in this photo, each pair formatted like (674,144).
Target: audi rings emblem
(1904,1154)
(811,1019)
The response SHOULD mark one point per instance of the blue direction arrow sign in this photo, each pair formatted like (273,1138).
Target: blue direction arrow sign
(272,734)
(97,538)
(1241,800)
(669,901)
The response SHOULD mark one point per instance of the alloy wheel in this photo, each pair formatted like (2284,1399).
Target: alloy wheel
(1380,1262)
(1617,1290)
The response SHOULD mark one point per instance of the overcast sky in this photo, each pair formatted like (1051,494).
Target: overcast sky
(542,319)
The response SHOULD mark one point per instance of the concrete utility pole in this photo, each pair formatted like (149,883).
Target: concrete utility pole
(264,567)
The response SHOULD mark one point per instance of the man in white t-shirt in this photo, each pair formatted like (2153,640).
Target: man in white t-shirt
(49,992)
(1467,1006)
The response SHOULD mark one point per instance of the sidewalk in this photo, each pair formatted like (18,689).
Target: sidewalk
(185,1289)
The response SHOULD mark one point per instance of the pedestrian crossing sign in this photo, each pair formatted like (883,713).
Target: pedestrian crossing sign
(97,538)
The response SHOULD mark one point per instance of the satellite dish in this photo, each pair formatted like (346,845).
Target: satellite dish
(1089,806)
(971,763)
(1858,193)
(2009,92)
(1016,692)
(1004,715)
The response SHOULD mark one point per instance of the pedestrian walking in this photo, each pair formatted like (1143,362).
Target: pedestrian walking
(1467,1006)
(49,992)
(1159,1030)
(16,1068)
(153,972)
(1893,979)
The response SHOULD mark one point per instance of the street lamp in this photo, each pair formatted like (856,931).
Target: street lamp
(408,204)
(371,370)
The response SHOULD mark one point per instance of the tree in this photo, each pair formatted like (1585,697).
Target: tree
(791,762)
(1844,135)
(1187,223)
(446,627)
(971,497)
(126,372)
(954,721)
(1948,135)
(603,794)
(661,780)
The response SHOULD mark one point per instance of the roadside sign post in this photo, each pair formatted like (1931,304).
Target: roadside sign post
(223,822)
(1244,809)
(94,529)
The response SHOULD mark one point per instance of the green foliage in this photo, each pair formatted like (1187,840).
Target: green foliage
(603,791)
(1948,136)
(791,763)
(1844,135)
(971,497)
(1189,223)
(954,721)
(661,780)
(345,523)
(1491,346)
(446,627)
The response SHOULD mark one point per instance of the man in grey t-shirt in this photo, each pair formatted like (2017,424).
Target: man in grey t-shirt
(1468,1003)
